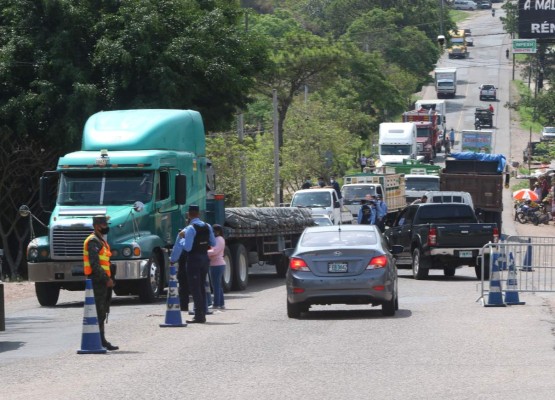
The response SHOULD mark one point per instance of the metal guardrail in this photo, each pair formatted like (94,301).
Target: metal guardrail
(519,264)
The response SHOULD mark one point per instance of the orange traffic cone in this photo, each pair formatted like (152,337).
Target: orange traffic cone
(90,339)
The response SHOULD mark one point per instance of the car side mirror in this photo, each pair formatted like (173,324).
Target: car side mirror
(336,204)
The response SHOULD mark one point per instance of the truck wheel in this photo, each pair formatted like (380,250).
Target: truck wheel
(478,268)
(240,266)
(228,275)
(47,293)
(420,266)
(149,287)
(294,310)
(449,271)
(282,265)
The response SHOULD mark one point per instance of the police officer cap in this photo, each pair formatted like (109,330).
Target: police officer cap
(100,219)
(194,208)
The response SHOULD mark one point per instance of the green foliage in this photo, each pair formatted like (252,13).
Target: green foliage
(510,20)
(317,143)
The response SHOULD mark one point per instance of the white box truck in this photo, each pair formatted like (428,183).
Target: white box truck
(397,142)
(446,82)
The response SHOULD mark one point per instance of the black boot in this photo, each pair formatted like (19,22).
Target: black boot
(105,343)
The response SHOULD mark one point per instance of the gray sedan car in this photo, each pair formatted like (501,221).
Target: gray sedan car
(345,264)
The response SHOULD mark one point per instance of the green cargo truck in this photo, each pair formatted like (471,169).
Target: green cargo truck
(143,168)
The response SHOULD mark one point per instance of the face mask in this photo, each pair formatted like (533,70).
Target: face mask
(105,231)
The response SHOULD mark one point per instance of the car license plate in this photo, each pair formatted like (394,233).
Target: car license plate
(465,254)
(337,267)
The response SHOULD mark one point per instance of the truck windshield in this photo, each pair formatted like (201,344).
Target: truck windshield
(446,84)
(105,187)
(357,192)
(395,149)
(311,200)
(422,183)
(422,132)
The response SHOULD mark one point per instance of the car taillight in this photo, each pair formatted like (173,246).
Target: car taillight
(377,262)
(495,235)
(432,237)
(298,264)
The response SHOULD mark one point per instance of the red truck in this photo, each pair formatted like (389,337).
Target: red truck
(428,136)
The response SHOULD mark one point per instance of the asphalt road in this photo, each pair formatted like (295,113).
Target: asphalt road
(442,344)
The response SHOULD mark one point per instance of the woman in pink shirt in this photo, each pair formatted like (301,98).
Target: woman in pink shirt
(217,266)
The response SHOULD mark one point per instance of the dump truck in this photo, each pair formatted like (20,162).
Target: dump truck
(428,131)
(144,168)
(481,175)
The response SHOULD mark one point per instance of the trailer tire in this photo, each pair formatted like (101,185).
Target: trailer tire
(227,279)
(240,268)
(282,265)
(149,287)
(47,293)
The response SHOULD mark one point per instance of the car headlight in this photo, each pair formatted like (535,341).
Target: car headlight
(126,251)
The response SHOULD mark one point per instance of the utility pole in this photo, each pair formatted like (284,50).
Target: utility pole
(276,149)
(241,133)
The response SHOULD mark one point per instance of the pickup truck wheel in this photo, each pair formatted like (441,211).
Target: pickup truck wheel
(149,287)
(449,271)
(240,266)
(228,276)
(47,293)
(420,265)
(294,310)
(478,268)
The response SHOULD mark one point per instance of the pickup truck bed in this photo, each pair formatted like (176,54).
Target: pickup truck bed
(440,236)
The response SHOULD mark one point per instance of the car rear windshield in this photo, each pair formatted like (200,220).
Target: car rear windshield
(339,238)
(447,213)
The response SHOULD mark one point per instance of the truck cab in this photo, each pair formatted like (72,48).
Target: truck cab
(397,142)
(144,191)
(322,201)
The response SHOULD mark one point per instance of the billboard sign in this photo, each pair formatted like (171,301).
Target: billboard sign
(536,19)
(477,141)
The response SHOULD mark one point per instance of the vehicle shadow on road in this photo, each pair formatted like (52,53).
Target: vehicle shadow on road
(9,346)
(353,314)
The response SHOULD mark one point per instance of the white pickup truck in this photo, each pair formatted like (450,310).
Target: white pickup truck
(488,91)
(323,201)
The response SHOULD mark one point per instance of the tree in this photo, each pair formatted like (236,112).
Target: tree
(297,58)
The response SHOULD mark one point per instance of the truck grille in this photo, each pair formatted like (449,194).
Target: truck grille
(68,243)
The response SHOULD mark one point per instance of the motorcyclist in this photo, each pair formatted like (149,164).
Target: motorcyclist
(507,53)
(477,124)
(493,12)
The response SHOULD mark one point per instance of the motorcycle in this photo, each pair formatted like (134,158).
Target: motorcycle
(526,212)
(493,12)
(477,124)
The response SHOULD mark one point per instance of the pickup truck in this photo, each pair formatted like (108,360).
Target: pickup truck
(488,91)
(322,201)
(441,236)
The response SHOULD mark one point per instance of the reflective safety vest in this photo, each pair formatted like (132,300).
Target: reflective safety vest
(103,255)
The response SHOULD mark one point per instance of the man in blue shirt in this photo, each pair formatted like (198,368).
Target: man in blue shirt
(366,214)
(198,237)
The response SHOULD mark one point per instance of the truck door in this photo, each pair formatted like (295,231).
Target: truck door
(401,231)
(336,206)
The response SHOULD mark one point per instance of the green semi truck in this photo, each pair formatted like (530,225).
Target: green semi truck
(143,168)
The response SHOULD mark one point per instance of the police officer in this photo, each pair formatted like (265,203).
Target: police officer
(96,259)
(180,257)
(198,238)
(381,212)
(367,213)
